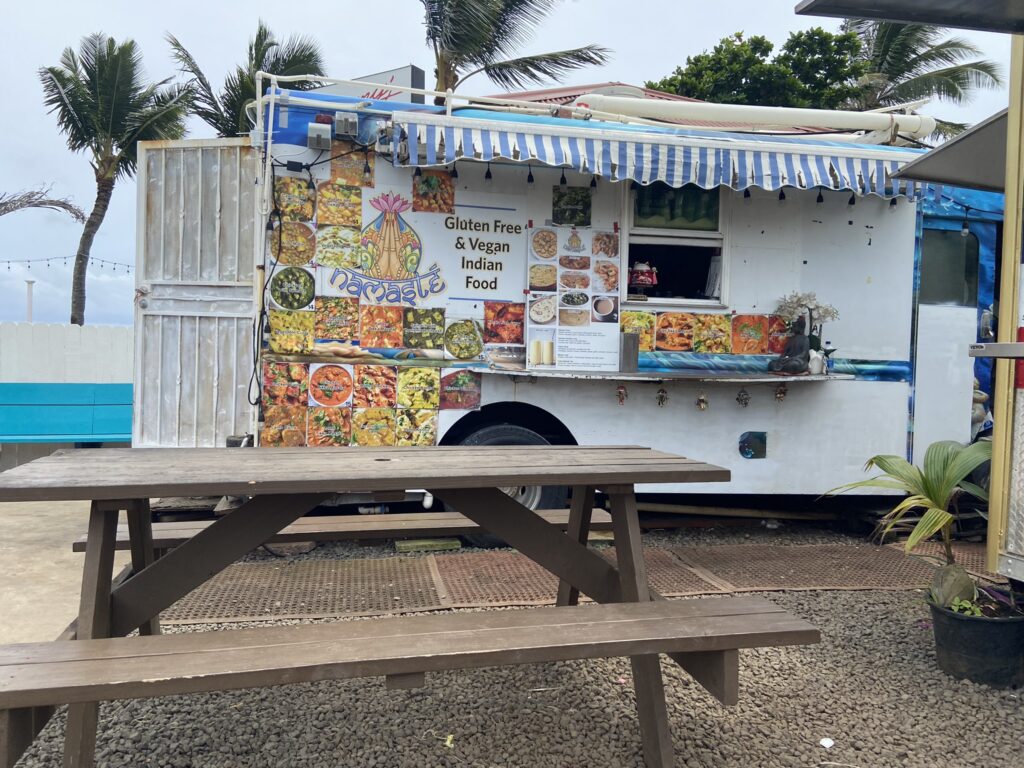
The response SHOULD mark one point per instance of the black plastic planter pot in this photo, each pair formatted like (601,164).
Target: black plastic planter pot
(980,649)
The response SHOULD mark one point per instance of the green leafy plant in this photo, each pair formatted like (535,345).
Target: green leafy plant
(933,490)
(966,607)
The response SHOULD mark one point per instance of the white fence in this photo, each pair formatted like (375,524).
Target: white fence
(55,353)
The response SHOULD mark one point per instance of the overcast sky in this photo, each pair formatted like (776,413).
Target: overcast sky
(649,41)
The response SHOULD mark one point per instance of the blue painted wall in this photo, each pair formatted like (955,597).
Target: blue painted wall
(65,413)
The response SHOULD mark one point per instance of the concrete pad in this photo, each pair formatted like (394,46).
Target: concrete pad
(41,577)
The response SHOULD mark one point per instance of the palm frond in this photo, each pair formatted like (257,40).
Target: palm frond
(933,521)
(65,94)
(514,23)
(205,104)
(909,62)
(162,117)
(882,481)
(460,28)
(893,516)
(542,67)
(39,198)
(966,461)
(975,490)
(900,469)
(298,55)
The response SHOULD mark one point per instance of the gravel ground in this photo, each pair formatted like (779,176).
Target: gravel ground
(871,686)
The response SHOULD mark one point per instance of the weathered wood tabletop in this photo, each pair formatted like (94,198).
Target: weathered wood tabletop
(284,484)
(129,473)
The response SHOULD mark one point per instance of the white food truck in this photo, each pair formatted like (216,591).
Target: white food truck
(360,272)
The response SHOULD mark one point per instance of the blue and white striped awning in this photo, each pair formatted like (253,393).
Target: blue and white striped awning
(647,155)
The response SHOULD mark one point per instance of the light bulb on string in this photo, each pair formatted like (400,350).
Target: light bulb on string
(529,176)
(821,197)
(454,172)
(853,199)
(893,203)
(562,183)
(367,173)
(488,176)
(418,172)
(782,195)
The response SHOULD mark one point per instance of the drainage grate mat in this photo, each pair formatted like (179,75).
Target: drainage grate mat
(970,555)
(765,567)
(311,589)
(669,575)
(495,578)
(329,588)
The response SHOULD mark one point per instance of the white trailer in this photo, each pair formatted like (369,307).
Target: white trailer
(734,222)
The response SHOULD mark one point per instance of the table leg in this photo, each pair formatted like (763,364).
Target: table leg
(535,537)
(140,533)
(206,554)
(650,691)
(93,622)
(578,530)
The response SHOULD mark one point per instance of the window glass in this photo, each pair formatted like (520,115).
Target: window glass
(684,271)
(660,206)
(949,268)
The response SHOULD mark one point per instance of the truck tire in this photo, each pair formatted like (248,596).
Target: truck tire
(532,496)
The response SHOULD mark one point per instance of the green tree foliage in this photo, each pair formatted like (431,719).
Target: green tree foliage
(225,111)
(105,107)
(814,69)
(473,36)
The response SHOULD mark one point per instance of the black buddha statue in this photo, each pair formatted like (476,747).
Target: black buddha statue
(796,354)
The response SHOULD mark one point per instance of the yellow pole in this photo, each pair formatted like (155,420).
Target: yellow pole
(1009,312)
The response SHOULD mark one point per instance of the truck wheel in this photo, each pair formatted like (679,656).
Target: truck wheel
(532,496)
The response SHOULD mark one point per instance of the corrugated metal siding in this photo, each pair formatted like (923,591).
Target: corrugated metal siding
(197,242)
(1011,563)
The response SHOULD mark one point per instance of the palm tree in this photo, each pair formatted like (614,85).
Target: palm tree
(105,107)
(910,62)
(473,36)
(225,112)
(39,198)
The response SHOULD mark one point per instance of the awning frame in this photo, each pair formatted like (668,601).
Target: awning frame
(427,140)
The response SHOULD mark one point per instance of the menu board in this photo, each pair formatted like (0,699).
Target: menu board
(573,304)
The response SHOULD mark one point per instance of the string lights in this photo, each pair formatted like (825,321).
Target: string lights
(93,262)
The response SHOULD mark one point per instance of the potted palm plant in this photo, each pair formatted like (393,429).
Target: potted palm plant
(979,631)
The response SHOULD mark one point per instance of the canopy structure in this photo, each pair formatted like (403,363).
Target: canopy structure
(427,135)
(975,158)
(647,154)
(987,15)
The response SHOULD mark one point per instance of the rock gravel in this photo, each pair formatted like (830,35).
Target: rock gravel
(872,686)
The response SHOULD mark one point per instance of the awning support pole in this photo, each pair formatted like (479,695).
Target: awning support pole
(1009,312)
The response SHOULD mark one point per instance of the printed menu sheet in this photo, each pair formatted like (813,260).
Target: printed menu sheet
(573,305)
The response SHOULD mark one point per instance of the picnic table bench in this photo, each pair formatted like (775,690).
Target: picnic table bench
(169,535)
(284,484)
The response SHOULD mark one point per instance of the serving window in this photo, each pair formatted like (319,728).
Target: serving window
(674,246)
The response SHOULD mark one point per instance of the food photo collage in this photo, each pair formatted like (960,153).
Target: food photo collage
(720,334)
(573,281)
(331,404)
(313,309)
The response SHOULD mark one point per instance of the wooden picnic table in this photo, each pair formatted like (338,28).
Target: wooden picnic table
(284,484)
